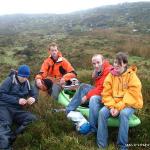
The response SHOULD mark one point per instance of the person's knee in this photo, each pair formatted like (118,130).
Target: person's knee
(124,113)
(101,113)
(82,85)
(94,100)
(29,119)
(33,117)
(104,113)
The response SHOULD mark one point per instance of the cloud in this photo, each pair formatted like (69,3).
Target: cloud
(53,6)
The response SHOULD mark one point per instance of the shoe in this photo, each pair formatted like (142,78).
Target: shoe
(91,133)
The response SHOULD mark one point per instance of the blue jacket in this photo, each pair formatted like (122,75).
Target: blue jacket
(12,90)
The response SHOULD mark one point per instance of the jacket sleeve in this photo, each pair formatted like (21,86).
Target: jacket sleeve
(5,90)
(99,85)
(94,91)
(97,90)
(69,69)
(33,92)
(107,97)
(133,96)
(43,71)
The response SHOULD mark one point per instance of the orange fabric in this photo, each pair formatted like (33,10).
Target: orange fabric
(43,87)
(50,70)
(69,76)
(99,81)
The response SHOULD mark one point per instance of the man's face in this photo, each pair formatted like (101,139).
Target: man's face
(54,52)
(22,79)
(119,67)
(97,63)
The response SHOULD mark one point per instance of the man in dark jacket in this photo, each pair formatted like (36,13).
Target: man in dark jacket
(15,92)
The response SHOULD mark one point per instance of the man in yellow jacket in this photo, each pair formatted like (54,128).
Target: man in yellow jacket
(121,96)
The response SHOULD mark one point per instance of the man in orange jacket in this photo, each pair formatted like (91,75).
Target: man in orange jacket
(121,96)
(55,71)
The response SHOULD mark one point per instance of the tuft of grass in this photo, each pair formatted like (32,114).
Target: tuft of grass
(53,130)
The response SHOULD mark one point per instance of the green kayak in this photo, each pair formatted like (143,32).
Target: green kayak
(65,97)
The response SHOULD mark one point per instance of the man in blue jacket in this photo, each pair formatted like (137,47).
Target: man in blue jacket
(15,92)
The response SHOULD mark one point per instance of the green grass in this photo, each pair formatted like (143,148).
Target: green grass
(53,130)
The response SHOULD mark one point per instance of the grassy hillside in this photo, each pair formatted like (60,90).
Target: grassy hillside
(133,15)
(105,30)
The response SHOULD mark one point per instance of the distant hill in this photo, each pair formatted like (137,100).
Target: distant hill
(133,15)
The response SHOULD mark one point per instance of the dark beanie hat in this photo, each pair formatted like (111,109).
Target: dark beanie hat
(24,71)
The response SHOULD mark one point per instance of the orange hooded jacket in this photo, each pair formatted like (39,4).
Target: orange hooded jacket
(56,70)
(123,90)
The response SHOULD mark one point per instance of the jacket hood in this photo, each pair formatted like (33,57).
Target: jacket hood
(106,64)
(132,68)
(59,54)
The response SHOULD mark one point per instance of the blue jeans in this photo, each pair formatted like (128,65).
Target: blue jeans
(94,107)
(76,99)
(102,133)
(94,104)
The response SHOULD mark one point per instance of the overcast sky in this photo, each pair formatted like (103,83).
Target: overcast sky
(53,6)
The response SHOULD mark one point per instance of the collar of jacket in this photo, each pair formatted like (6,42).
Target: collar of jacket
(105,66)
(60,59)
(132,68)
(16,81)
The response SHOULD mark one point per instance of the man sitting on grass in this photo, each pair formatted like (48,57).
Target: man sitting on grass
(92,94)
(55,71)
(15,93)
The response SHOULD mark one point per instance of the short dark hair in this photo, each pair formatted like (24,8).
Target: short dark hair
(122,57)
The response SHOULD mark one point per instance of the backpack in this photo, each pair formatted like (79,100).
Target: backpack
(13,73)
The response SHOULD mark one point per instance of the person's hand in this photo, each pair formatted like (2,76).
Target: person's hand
(114,112)
(22,101)
(62,82)
(94,74)
(30,100)
(84,98)
(38,83)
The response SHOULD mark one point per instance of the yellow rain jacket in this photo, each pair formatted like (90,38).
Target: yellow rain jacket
(123,90)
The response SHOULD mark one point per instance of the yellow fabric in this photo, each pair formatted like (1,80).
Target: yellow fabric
(123,90)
